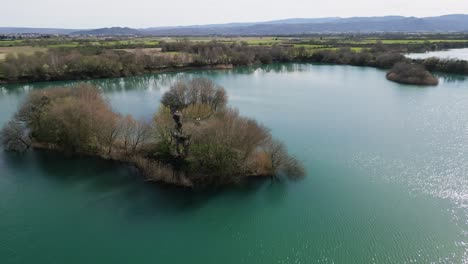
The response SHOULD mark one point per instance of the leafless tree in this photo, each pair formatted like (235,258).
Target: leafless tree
(14,137)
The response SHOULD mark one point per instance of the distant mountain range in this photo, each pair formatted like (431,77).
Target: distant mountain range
(295,26)
(22,30)
(113,31)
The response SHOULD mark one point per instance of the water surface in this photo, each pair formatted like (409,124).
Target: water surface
(457,54)
(387,179)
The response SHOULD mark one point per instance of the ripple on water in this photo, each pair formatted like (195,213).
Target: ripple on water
(434,161)
(441,177)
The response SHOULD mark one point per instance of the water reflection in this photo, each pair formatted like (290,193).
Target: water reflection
(271,68)
(118,182)
(162,81)
(460,54)
(284,68)
(145,82)
(452,78)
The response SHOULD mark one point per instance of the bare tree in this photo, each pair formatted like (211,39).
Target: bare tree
(196,91)
(134,134)
(14,137)
(141,136)
(110,129)
(281,161)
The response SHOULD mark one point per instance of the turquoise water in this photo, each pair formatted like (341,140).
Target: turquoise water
(387,179)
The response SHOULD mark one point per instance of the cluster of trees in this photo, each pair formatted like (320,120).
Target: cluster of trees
(84,63)
(408,73)
(194,139)
(239,53)
(77,120)
(97,62)
(385,59)
(222,145)
(346,56)
(433,46)
(90,62)
(444,65)
(402,42)
(196,92)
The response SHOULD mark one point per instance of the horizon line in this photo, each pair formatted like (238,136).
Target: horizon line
(227,23)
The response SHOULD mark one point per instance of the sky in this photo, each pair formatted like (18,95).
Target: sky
(84,14)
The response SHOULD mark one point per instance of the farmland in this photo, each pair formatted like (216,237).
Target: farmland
(28,50)
(308,43)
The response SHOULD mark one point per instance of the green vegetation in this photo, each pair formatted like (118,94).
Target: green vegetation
(10,43)
(67,59)
(401,41)
(28,50)
(193,140)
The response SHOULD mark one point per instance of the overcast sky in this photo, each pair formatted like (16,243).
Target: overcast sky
(81,14)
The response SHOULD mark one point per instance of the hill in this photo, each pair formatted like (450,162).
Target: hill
(113,31)
(293,26)
(449,23)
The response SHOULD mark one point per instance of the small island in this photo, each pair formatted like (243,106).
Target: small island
(194,139)
(408,73)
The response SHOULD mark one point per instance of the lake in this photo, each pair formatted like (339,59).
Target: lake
(458,54)
(387,179)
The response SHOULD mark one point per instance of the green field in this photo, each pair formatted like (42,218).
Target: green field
(10,43)
(307,42)
(19,49)
(402,41)
(149,44)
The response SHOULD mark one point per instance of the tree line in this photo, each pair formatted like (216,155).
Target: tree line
(91,62)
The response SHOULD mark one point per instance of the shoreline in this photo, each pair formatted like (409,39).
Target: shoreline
(218,67)
(178,181)
(162,70)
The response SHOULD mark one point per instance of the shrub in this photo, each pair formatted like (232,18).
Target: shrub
(411,74)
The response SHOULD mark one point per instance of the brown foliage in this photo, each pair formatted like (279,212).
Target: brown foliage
(411,74)
(224,147)
(134,134)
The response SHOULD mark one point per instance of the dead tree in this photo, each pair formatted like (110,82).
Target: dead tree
(182,140)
